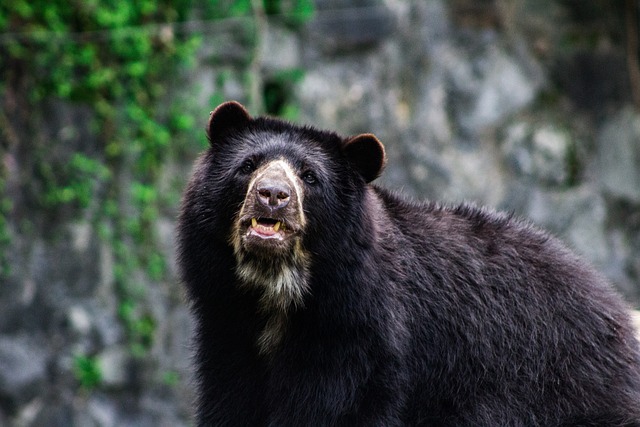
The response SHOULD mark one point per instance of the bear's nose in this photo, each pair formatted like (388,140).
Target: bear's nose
(273,194)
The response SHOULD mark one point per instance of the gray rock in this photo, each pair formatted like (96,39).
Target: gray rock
(23,368)
(342,25)
(488,87)
(100,412)
(79,320)
(57,415)
(280,49)
(577,216)
(114,363)
(542,153)
(461,107)
(619,155)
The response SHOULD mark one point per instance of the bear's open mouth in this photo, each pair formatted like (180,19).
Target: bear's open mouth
(267,228)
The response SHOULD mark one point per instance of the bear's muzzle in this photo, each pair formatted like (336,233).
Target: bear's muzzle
(267,238)
(271,217)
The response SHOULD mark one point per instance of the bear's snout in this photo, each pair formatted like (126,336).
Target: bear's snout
(271,219)
(273,193)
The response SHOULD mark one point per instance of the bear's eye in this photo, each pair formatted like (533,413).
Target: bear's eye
(309,177)
(247,167)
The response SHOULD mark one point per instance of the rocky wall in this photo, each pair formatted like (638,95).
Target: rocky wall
(493,102)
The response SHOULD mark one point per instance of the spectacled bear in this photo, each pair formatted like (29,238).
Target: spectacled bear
(321,299)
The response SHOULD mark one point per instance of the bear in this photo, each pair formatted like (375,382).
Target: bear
(322,299)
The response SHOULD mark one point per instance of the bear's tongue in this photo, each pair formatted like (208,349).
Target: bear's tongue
(265,227)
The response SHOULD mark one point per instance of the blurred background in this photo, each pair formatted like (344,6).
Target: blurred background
(531,106)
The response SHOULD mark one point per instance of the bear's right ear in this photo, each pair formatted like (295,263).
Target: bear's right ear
(225,118)
(366,154)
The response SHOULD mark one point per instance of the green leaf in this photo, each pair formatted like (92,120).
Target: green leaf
(87,371)
(23,9)
(240,8)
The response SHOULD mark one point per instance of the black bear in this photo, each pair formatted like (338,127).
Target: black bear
(321,299)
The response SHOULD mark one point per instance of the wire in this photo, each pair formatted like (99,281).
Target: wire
(184,27)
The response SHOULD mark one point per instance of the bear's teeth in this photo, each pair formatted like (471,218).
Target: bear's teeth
(276,226)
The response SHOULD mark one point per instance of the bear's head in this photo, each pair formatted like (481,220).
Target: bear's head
(278,195)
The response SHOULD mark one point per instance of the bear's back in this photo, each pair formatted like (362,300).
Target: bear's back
(503,309)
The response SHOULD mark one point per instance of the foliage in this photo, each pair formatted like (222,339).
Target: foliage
(78,180)
(291,12)
(125,62)
(115,57)
(87,372)
(278,93)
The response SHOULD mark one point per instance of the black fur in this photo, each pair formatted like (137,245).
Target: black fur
(416,314)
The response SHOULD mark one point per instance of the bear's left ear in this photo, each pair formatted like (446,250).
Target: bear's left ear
(366,154)
(226,117)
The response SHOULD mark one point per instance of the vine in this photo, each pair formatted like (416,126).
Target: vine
(116,59)
(123,62)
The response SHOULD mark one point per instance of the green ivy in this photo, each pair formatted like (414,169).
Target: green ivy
(293,12)
(125,62)
(278,90)
(170,378)
(79,179)
(87,371)
(116,57)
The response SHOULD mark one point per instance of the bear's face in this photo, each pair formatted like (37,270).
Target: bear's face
(271,218)
(275,192)
(269,229)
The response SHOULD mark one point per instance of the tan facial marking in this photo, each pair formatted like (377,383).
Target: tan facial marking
(282,276)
